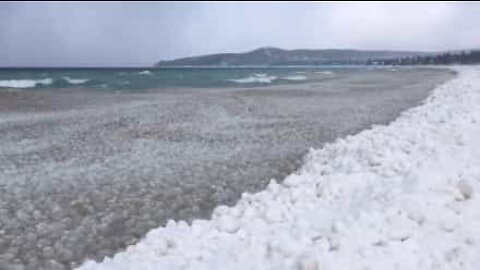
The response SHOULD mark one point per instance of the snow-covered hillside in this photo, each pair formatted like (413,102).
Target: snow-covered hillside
(402,196)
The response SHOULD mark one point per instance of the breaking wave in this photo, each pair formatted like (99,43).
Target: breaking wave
(327,72)
(256,78)
(75,81)
(295,78)
(25,83)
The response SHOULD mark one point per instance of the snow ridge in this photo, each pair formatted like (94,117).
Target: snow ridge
(401,196)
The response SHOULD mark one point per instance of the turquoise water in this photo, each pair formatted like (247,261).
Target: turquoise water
(149,78)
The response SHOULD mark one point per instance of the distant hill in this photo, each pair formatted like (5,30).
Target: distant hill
(275,57)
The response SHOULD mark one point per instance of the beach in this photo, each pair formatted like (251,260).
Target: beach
(398,196)
(84,174)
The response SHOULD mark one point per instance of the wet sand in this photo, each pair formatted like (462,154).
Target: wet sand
(85,173)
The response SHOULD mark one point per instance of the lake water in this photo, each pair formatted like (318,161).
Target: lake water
(148,78)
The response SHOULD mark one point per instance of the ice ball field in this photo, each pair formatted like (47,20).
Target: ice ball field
(84,174)
(401,196)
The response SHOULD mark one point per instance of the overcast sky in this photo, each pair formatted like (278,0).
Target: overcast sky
(136,33)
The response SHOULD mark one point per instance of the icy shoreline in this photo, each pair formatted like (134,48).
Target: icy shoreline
(84,174)
(400,196)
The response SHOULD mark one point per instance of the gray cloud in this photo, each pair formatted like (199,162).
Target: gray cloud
(130,33)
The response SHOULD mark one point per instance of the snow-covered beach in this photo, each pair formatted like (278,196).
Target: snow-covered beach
(239,135)
(86,173)
(401,196)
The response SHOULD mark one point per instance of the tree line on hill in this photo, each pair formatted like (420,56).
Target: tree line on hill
(449,58)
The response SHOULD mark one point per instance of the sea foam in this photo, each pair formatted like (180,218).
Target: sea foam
(25,83)
(295,78)
(255,78)
(75,81)
(326,72)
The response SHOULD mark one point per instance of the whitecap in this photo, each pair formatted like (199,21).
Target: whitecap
(256,78)
(326,72)
(145,72)
(295,78)
(25,83)
(75,81)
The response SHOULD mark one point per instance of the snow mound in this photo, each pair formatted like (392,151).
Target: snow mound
(402,196)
